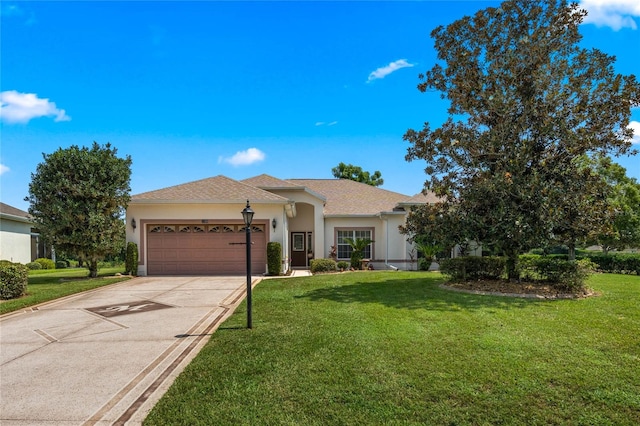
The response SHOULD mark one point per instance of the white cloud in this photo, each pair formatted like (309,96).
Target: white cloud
(244,158)
(382,72)
(635,125)
(22,107)
(333,123)
(13,10)
(3,169)
(324,123)
(616,14)
(320,123)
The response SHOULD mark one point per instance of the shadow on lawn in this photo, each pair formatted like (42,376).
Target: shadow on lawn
(414,294)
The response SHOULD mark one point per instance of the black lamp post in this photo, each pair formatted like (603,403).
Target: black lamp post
(247,215)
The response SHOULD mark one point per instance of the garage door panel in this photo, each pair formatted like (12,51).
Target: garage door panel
(180,250)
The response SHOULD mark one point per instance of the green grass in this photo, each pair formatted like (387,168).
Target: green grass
(49,284)
(394,348)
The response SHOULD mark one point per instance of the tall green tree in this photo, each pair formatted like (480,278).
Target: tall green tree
(623,196)
(351,172)
(78,197)
(524,100)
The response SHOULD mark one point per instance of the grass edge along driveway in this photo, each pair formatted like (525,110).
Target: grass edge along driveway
(49,284)
(394,348)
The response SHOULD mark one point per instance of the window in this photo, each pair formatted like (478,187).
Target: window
(344,249)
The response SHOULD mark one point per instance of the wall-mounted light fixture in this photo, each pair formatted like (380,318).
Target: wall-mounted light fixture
(274,223)
(133,223)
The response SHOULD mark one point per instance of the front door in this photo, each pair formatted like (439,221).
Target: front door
(298,249)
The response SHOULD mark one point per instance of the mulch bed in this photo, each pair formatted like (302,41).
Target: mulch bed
(515,289)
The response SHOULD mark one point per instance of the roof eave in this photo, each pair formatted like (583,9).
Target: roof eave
(359,215)
(15,218)
(236,201)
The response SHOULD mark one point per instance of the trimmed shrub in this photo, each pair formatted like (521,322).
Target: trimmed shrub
(274,258)
(13,280)
(424,264)
(561,273)
(61,264)
(471,268)
(323,265)
(343,265)
(616,263)
(131,259)
(46,263)
(34,266)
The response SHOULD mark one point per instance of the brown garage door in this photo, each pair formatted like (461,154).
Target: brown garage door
(204,249)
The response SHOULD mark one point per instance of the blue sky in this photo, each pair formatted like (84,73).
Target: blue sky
(197,89)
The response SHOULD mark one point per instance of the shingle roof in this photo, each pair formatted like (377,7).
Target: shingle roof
(347,197)
(421,198)
(265,181)
(218,189)
(10,210)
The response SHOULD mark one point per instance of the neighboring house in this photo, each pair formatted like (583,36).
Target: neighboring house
(197,227)
(15,234)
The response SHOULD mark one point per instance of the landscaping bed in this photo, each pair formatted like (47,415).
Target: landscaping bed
(518,289)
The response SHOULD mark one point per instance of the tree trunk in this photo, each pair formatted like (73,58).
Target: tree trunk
(93,268)
(572,251)
(512,266)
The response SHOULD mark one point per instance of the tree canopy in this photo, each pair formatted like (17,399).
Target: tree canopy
(77,199)
(351,172)
(526,103)
(623,196)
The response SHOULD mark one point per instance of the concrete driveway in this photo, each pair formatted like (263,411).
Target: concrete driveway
(106,356)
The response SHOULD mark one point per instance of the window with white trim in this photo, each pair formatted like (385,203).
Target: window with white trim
(344,249)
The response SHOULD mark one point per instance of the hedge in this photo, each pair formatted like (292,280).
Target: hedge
(616,263)
(274,258)
(131,259)
(323,265)
(13,280)
(46,263)
(563,274)
(473,268)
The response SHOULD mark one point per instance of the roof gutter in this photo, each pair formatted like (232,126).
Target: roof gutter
(383,216)
(238,201)
(15,218)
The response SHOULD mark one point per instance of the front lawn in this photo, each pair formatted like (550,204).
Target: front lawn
(393,348)
(49,284)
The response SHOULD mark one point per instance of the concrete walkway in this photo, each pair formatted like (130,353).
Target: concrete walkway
(106,356)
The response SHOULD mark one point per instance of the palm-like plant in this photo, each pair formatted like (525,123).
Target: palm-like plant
(357,254)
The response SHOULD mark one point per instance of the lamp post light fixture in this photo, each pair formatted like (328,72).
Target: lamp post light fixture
(274,223)
(133,223)
(247,216)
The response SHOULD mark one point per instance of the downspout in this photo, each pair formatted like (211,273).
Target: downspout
(386,254)
(285,241)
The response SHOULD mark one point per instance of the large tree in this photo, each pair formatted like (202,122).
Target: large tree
(77,199)
(525,101)
(623,196)
(351,172)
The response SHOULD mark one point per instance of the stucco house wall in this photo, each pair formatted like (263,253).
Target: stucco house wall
(148,214)
(15,235)
(316,209)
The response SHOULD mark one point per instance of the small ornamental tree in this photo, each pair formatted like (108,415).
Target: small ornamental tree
(77,199)
(525,100)
(357,250)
